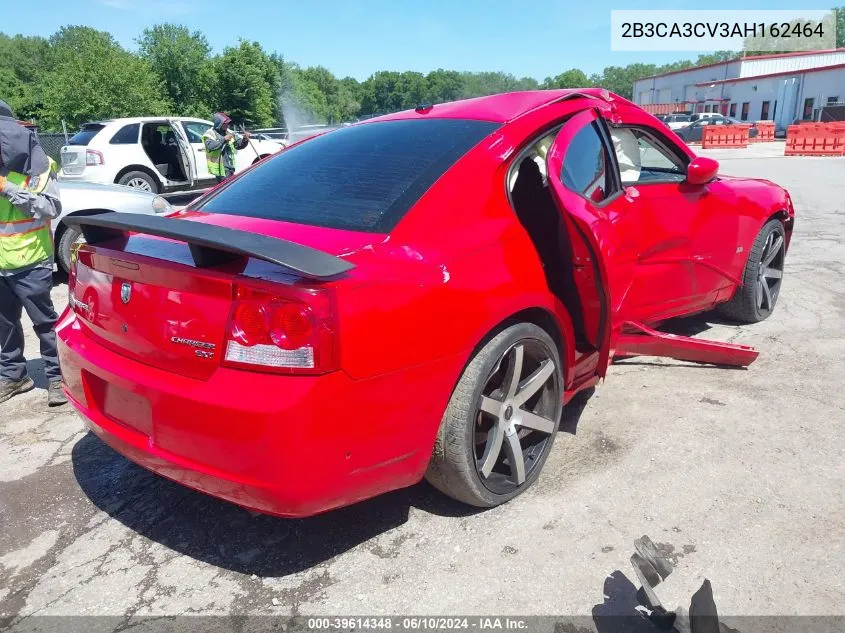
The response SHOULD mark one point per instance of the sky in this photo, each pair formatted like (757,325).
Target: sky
(536,38)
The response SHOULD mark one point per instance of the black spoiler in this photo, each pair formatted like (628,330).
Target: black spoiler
(210,244)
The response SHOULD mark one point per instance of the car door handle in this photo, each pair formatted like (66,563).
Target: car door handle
(200,149)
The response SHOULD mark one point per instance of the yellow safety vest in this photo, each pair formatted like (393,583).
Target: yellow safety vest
(214,158)
(24,241)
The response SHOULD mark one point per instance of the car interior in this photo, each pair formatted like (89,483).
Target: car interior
(160,144)
(537,211)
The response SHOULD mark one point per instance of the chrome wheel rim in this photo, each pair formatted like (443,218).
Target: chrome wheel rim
(516,416)
(770,272)
(139,183)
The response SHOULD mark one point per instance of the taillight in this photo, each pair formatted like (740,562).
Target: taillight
(93,157)
(291,333)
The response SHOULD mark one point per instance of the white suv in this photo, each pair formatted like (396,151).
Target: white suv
(150,153)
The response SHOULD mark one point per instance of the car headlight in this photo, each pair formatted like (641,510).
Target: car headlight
(161,206)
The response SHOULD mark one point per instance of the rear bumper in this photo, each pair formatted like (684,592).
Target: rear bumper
(99,174)
(288,446)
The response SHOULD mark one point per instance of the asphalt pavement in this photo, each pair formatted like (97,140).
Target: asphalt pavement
(737,475)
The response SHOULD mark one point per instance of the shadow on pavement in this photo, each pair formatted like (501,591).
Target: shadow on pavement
(618,613)
(225,535)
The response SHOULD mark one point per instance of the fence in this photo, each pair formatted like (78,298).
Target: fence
(52,143)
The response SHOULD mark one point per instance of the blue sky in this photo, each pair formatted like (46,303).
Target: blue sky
(536,38)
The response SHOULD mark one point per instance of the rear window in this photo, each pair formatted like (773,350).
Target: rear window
(359,178)
(84,136)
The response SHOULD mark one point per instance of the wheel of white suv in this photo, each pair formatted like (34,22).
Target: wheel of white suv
(502,419)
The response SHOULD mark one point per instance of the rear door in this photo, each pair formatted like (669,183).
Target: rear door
(585,184)
(186,153)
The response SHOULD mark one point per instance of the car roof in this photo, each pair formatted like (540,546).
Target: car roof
(499,108)
(143,119)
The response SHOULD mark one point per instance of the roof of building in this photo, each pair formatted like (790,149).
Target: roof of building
(746,58)
(783,73)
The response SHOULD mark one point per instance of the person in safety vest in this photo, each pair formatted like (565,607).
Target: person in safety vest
(29,199)
(221,146)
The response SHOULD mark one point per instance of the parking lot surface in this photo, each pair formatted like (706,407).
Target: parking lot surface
(737,474)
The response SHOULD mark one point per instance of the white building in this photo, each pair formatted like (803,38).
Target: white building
(783,87)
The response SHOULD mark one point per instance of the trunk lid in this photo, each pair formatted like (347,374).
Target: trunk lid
(73,159)
(146,297)
(74,155)
(156,311)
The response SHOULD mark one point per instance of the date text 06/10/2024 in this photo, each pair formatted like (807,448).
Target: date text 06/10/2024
(416,623)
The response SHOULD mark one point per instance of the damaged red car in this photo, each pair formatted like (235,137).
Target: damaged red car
(412,297)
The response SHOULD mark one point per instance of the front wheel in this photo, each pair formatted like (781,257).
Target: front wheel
(502,419)
(762,277)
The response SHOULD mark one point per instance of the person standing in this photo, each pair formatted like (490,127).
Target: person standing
(29,199)
(221,147)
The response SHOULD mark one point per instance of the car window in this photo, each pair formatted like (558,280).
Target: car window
(643,159)
(585,166)
(84,136)
(360,178)
(194,130)
(127,135)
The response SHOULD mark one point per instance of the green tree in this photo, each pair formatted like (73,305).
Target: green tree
(443,85)
(247,85)
(92,77)
(487,83)
(840,26)
(620,79)
(572,78)
(23,61)
(181,60)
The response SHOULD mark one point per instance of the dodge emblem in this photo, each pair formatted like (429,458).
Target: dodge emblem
(126,292)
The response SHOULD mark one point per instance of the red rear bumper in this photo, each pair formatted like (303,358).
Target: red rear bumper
(289,446)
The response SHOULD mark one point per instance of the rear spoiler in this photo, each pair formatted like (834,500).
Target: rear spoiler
(210,244)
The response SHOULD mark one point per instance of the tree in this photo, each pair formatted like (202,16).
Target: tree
(23,61)
(572,78)
(247,85)
(181,61)
(621,79)
(92,77)
(840,26)
(488,83)
(443,85)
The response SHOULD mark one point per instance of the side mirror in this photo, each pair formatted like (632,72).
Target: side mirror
(702,170)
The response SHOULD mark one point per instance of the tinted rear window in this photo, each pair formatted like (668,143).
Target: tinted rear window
(84,136)
(360,178)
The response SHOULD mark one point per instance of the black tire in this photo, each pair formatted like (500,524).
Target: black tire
(454,468)
(751,303)
(133,178)
(63,251)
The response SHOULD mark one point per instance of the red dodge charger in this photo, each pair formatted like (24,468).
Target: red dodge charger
(414,296)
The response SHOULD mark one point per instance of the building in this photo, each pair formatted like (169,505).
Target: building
(785,87)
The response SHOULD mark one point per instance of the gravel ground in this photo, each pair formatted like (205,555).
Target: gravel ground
(736,474)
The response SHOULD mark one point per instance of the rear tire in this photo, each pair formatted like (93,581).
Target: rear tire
(70,236)
(498,431)
(139,180)
(755,300)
